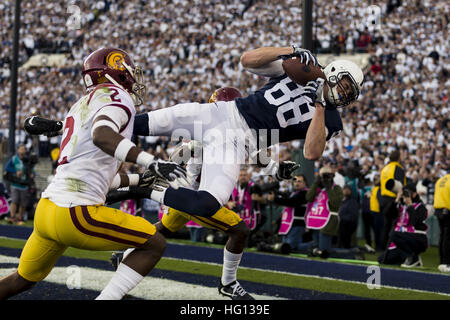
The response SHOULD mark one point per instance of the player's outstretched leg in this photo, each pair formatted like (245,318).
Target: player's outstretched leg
(13,284)
(134,267)
(232,254)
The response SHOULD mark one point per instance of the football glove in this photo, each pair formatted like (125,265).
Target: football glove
(305,56)
(285,170)
(146,178)
(314,89)
(320,98)
(170,171)
(36,126)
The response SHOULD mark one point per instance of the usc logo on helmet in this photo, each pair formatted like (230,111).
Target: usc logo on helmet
(114,60)
(213,97)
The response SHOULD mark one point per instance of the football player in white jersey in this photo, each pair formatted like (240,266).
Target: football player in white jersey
(70,213)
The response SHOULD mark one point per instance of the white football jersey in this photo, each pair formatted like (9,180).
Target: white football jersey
(85,172)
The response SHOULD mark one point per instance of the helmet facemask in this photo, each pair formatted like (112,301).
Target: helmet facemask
(338,94)
(138,87)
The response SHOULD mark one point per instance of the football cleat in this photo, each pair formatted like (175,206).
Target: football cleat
(235,291)
(36,125)
(116,259)
(444,267)
(413,261)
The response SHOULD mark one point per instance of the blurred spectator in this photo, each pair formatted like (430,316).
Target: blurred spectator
(4,204)
(393,172)
(19,172)
(442,212)
(324,200)
(403,104)
(242,201)
(197,232)
(409,237)
(348,218)
(373,220)
(292,220)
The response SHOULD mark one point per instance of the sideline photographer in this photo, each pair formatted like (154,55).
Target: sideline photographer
(409,237)
(243,202)
(292,220)
(19,173)
(324,200)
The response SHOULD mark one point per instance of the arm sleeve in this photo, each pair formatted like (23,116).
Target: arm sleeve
(417,215)
(126,194)
(311,194)
(270,70)
(141,125)
(288,202)
(335,196)
(399,175)
(118,113)
(333,123)
(10,167)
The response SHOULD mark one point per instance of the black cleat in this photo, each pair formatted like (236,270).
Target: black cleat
(36,125)
(116,259)
(235,291)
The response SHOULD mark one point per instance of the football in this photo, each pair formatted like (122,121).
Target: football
(301,73)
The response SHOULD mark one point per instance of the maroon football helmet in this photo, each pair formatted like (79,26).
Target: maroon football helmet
(225,94)
(115,66)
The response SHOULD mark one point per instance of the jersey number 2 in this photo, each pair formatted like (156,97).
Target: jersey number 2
(68,131)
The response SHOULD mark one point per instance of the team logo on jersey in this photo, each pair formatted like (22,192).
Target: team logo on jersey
(115,59)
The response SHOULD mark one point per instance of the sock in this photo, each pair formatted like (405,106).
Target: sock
(124,280)
(127,252)
(230,265)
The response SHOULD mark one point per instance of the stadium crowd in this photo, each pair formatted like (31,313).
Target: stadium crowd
(185,57)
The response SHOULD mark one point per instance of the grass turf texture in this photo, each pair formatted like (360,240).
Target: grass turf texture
(261,276)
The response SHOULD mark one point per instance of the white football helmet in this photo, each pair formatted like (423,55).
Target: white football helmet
(334,72)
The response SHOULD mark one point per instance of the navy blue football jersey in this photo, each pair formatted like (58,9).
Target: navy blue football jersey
(283,105)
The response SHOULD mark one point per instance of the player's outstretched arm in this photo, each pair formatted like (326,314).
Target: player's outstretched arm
(260,57)
(316,135)
(265,61)
(105,135)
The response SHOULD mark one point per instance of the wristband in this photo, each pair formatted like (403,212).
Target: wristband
(144,159)
(133,179)
(122,149)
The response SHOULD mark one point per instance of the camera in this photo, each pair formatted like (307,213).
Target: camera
(264,188)
(279,247)
(30,159)
(406,193)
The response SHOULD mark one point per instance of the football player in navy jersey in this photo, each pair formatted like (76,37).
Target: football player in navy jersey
(233,131)
(280,111)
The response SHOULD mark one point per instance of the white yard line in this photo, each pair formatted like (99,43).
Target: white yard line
(150,288)
(156,288)
(319,277)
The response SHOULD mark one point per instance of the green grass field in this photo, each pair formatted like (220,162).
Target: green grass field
(315,284)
